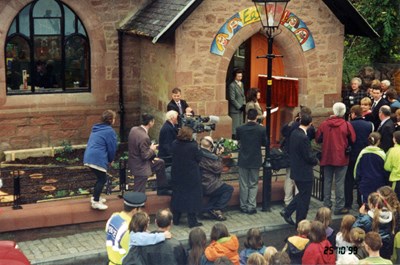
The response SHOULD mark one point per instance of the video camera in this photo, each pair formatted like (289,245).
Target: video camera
(198,123)
(218,145)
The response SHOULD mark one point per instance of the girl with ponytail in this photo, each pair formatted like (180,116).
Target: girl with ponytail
(377,216)
(369,171)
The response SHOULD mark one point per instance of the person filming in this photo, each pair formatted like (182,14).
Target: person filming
(218,192)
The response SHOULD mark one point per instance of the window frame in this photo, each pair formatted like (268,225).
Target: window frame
(77,28)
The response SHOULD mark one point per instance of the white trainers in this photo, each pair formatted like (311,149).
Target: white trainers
(102,200)
(99,206)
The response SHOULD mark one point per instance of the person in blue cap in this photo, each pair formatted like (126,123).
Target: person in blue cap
(117,232)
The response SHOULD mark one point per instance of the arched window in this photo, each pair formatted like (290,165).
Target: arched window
(47,50)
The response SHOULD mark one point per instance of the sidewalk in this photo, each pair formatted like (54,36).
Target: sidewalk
(74,249)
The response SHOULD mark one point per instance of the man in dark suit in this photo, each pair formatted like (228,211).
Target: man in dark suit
(178,104)
(142,160)
(379,101)
(170,251)
(362,128)
(386,128)
(251,137)
(302,161)
(168,134)
(236,101)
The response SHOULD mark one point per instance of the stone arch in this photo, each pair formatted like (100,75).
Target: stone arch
(294,58)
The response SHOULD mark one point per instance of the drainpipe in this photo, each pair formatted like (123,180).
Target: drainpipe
(121,90)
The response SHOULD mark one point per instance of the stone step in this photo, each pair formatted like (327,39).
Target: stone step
(77,211)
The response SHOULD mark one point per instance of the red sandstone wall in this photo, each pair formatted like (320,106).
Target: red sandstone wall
(46,120)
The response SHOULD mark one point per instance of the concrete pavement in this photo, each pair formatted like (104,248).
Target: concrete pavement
(80,247)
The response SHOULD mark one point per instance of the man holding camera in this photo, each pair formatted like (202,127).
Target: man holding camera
(218,192)
(236,100)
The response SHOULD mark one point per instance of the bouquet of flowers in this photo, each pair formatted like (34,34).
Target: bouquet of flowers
(230,145)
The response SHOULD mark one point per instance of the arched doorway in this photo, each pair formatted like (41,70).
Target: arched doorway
(245,57)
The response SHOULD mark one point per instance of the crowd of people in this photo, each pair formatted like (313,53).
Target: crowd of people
(363,151)
(365,239)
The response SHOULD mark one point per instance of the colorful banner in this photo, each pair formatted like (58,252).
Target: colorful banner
(299,29)
(250,15)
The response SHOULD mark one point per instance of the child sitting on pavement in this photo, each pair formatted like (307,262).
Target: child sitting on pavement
(269,252)
(324,215)
(296,245)
(373,244)
(253,244)
(139,236)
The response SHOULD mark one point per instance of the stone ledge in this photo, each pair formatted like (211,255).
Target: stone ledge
(11,155)
(76,211)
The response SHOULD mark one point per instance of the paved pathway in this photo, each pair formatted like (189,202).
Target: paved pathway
(73,249)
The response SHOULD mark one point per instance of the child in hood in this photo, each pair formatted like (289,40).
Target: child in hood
(297,244)
(378,217)
(222,244)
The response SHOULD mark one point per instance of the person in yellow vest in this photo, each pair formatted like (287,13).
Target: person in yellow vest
(117,232)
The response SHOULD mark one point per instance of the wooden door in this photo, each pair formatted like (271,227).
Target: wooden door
(258,46)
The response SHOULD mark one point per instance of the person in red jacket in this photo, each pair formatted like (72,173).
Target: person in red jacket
(319,251)
(336,136)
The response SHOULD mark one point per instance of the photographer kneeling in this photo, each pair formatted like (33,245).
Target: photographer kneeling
(219,193)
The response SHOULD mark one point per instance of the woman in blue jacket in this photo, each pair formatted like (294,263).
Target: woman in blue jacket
(100,152)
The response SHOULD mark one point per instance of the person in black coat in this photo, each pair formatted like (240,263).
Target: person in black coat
(251,137)
(178,104)
(289,186)
(386,128)
(302,161)
(186,177)
(379,101)
(168,134)
(362,128)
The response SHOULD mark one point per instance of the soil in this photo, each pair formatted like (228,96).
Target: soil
(44,178)
(62,176)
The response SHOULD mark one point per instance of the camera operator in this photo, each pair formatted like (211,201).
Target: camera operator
(219,193)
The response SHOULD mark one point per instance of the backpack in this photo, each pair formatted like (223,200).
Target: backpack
(279,159)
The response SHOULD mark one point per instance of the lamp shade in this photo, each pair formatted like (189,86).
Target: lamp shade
(270,12)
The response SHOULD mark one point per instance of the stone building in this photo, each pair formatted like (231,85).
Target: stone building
(128,55)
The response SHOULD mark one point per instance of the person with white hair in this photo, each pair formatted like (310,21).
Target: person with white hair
(336,136)
(385,84)
(168,134)
(354,95)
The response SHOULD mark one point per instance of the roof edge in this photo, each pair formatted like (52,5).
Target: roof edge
(165,29)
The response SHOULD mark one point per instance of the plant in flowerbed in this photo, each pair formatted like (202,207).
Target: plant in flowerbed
(46,177)
(231,148)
